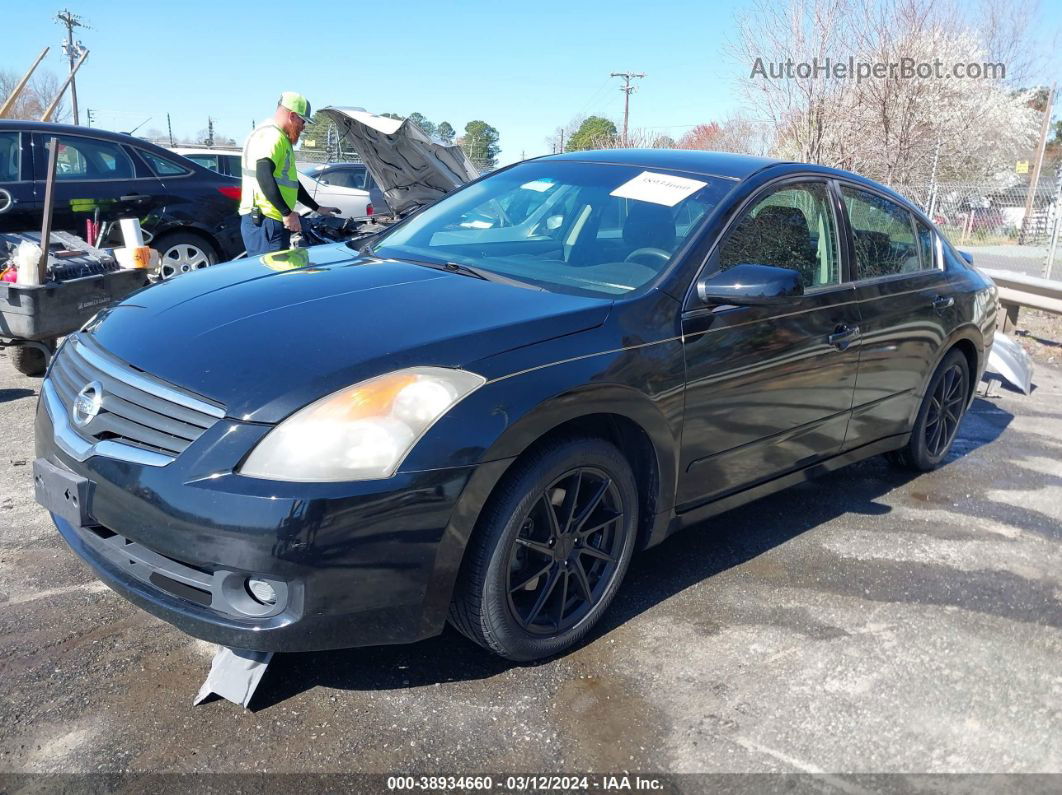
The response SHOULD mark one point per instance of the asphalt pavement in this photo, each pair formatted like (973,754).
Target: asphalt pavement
(870,622)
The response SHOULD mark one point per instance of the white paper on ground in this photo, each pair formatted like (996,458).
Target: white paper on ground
(651,186)
(234,675)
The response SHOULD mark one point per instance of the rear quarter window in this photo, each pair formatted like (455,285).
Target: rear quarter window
(163,166)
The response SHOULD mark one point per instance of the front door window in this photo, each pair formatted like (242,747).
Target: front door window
(793,228)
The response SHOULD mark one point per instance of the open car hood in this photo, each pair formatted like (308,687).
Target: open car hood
(411,169)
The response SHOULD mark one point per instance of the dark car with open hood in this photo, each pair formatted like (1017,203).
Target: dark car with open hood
(481,414)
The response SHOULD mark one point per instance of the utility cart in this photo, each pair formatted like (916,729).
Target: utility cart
(81,280)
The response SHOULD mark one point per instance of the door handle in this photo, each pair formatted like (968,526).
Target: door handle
(843,336)
(943,302)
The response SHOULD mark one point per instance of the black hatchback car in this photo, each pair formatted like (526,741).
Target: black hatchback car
(484,421)
(189,211)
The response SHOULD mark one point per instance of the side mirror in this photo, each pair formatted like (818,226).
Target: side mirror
(966,255)
(750,285)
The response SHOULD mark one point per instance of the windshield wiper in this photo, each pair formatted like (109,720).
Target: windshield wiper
(490,276)
(468,270)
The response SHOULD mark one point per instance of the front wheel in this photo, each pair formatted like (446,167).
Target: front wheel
(549,551)
(937,423)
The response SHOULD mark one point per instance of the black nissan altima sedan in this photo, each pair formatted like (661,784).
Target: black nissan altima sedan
(481,414)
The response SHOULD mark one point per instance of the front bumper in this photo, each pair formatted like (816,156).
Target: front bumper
(358,563)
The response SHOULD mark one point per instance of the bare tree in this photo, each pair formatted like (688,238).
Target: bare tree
(561,135)
(893,126)
(35,97)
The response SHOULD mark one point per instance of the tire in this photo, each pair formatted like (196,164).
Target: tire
(183,252)
(30,360)
(532,586)
(935,429)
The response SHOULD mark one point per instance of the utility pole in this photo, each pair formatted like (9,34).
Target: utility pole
(210,131)
(1045,125)
(933,178)
(88,116)
(627,89)
(1050,261)
(72,50)
(169,129)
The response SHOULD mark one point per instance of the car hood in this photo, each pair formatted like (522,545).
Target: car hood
(412,170)
(267,335)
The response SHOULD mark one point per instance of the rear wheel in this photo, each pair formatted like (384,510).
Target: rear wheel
(938,418)
(549,551)
(183,252)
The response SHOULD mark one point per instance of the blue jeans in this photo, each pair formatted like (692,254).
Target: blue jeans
(270,236)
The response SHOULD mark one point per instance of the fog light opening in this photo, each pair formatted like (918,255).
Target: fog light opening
(262,592)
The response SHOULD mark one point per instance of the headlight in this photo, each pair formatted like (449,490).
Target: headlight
(362,432)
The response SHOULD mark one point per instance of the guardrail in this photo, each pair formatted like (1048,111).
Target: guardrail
(1017,290)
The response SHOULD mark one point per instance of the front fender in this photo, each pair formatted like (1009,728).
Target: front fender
(494,425)
(506,416)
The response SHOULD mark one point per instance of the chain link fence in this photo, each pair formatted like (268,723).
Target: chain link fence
(994,224)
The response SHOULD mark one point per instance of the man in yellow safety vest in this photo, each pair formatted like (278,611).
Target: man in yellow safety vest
(270,182)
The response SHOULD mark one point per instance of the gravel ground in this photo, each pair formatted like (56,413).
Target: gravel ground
(1040,333)
(870,622)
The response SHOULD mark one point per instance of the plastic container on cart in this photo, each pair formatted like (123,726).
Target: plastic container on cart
(53,309)
(69,257)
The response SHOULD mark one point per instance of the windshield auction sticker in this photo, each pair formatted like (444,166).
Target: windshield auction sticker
(649,186)
(540,185)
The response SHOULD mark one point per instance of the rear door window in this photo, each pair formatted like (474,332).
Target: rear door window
(346,178)
(231,165)
(882,234)
(206,161)
(89,158)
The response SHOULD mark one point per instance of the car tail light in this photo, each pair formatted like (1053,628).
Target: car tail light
(229,191)
(368,209)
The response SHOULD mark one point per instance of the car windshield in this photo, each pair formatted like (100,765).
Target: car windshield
(589,228)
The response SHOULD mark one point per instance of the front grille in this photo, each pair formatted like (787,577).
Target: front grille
(136,409)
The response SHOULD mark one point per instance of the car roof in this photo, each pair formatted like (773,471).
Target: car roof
(191,150)
(719,164)
(722,164)
(27,125)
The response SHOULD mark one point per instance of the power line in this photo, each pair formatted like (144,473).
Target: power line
(594,96)
(72,50)
(627,90)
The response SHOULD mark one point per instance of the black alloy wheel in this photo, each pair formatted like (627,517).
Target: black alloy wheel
(946,407)
(566,552)
(549,550)
(939,416)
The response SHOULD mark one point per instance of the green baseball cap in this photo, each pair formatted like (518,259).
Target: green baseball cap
(297,104)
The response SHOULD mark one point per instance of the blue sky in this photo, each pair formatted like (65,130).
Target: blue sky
(525,68)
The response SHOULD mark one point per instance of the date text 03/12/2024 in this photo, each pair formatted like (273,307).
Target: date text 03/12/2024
(525,783)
